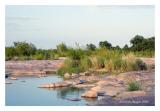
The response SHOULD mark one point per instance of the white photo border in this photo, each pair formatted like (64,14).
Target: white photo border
(4,3)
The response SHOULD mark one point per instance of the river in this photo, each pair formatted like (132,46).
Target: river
(25,92)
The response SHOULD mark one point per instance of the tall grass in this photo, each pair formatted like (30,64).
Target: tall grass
(73,63)
(86,63)
(113,61)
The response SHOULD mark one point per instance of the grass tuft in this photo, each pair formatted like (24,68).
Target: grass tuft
(133,86)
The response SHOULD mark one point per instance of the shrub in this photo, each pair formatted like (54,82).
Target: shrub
(38,57)
(140,65)
(133,86)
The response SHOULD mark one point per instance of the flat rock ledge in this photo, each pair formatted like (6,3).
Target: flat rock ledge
(79,82)
(33,67)
(56,85)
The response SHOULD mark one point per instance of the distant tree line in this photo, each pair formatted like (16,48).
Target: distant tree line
(28,51)
(138,43)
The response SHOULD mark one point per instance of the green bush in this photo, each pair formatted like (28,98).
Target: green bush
(140,65)
(133,86)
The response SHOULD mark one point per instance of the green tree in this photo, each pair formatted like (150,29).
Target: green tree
(10,52)
(105,44)
(126,47)
(139,43)
(91,47)
(24,49)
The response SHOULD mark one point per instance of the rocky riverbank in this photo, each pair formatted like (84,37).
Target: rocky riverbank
(33,67)
(113,87)
(108,89)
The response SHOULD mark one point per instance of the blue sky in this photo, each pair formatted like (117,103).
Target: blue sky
(47,26)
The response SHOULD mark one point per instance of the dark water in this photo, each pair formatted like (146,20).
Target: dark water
(27,93)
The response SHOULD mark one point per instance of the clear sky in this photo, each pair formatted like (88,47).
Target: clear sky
(47,26)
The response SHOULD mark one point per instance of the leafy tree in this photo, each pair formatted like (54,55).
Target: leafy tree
(139,43)
(91,47)
(10,52)
(117,47)
(105,44)
(149,44)
(24,49)
(137,40)
(126,47)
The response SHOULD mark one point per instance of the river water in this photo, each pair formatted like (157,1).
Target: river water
(25,92)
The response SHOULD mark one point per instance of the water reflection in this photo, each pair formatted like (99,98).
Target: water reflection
(70,92)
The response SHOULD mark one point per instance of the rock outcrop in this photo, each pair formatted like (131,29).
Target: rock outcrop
(33,67)
(55,85)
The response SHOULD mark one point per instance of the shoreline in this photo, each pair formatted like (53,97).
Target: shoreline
(99,86)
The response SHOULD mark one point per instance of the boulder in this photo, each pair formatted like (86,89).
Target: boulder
(90,94)
(67,76)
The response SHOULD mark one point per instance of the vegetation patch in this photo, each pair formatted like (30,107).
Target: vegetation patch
(133,86)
